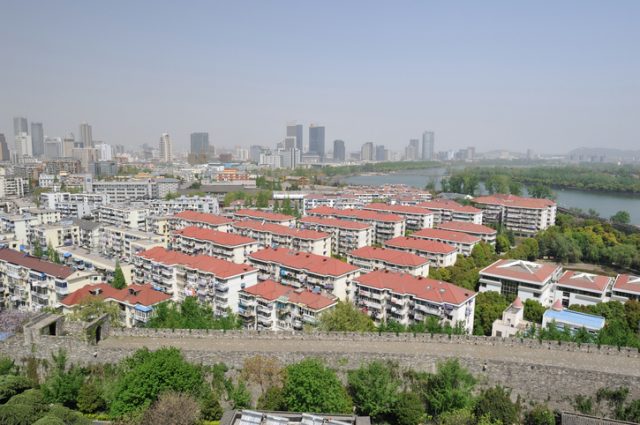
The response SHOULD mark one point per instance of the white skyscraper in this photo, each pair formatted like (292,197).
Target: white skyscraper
(23,145)
(428,144)
(85,135)
(104,152)
(165,148)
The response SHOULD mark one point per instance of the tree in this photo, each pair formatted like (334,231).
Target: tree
(89,398)
(310,386)
(52,254)
(539,415)
(272,399)
(540,191)
(173,408)
(495,404)
(240,396)
(533,311)
(210,408)
(63,385)
(118,281)
(502,243)
(263,371)
(151,373)
(92,307)
(37,249)
(489,307)
(374,388)
(621,217)
(11,385)
(457,417)
(408,409)
(346,317)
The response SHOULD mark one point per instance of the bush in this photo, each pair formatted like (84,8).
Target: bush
(90,399)
(11,385)
(539,415)
(18,414)
(68,416)
(173,409)
(210,407)
(63,386)
(272,399)
(495,405)
(49,420)
(408,409)
(7,366)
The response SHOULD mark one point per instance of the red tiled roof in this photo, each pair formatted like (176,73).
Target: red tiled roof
(392,256)
(316,264)
(586,281)
(263,215)
(271,291)
(447,235)
(335,222)
(420,245)
(627,283)
(465,226)
(220,238)
(35,264)
(399,209)
(521,270)
(514,201)
(199,217)
(447,204)
(352,213)
(132,294)
(280,230)
(424,288)
(220,268)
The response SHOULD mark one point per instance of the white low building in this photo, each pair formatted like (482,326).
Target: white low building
(463,242)
(371,258)
(439,254)
(345,235)
(579,288)
(416,218)
(271,235)
(204,220)
(227,246)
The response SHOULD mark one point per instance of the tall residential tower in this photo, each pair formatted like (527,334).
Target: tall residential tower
(165,148)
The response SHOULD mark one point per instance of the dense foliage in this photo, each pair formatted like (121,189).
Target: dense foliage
(464,272)
(346,317)
(190,314)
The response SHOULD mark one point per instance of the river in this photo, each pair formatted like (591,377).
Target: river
(606,204)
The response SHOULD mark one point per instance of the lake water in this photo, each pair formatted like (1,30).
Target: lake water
(606,204)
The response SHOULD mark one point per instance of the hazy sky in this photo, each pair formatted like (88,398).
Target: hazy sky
(547,75)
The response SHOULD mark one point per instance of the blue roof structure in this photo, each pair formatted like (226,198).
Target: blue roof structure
(574,319)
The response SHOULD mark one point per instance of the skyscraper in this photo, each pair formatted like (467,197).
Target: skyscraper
(339,152)
(381,153)
(296,130)
(165,148)
(290,142)
(37,139)
(367,152)
(199,143)
(20,125)
(4,149)
(416,148)
(428,144)
(23,145)
(53,148)
(316,140)
(85,135)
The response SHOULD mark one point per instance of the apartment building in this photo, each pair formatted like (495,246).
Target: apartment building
(385,226)
(202,204)
(487,234)
(63,233)
(30,284)
(124,243)
(448,210)
(345,235)
(199,219)
(371,258)
(390,296)
(265,216)
(626,287)
(133,216)
(416,218)
(215,282)
(19,226)
(13,187)
(439,254)
(519,278)
(273,306)
(463,242)
(89,233)
(136,302)
(524,216)
(227,246)
(341,201)
(73,205)
(275,236)
(582,288)
(130,190)
(85,260)
(325,275)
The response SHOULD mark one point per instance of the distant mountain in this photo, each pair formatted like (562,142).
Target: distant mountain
(603,155)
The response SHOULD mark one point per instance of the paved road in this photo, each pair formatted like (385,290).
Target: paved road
(573,360)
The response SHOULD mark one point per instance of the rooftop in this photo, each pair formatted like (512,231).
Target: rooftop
(36,264)
(435,291)
(627,283)
(521,270)
(420,245)
(392,256)
(263,215)
(220,268)
(467,227)
(575,319)
(133,294)
(400,209)
(514,201)
(219,238)
(280,230)
(335,222)
(316,264)
(585,281)
(447,235)
(271,291)
(216,220)
(353,213)
(237,417)
(447,204)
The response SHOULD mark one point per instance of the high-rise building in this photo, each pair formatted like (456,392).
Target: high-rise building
(381,153)
(86,136)
(199,143)
(254,153)
(428,144)
(290,142)
(4,149)
(166,155)
(416,147)
(367,152)
(339,151)
(67,146)
(104,152)
(316,140)
(20,125)
(53,148)
(37,139)
(23,145)
(296,130)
